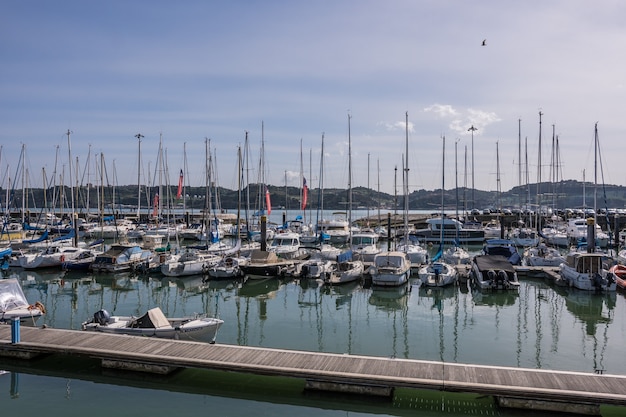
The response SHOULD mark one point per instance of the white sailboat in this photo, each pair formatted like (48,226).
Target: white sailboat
(347,269)
(456,254)
(439,273)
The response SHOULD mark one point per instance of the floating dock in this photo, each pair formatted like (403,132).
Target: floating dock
(573,392)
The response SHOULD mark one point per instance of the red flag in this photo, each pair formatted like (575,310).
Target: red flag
(305,193)
(180,185)
(155,204)
(268,203)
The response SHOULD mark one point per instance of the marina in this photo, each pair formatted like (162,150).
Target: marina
(434,328)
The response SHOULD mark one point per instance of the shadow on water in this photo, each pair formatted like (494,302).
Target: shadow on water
(66,380)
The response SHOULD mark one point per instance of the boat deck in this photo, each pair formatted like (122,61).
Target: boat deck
(517,383)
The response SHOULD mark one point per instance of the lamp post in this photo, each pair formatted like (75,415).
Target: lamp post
(472,129)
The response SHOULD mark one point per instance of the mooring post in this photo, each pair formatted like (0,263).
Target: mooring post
(15,330)
(263,233)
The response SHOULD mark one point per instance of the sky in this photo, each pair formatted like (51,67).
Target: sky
(197,75)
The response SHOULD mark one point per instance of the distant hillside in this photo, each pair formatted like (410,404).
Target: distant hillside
(566,194)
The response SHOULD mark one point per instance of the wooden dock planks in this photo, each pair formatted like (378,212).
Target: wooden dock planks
(523,383)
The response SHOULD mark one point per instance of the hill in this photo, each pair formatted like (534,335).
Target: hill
(565,194)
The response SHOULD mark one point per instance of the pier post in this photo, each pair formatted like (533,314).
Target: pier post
(388,232)
(15,330)
(263,233)
(591,235)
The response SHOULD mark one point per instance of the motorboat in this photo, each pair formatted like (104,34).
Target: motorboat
(287,246)
(438,274)
(155,324)
(493,229)
(227,267)
(449,230)
(587,271)
(503,247)
(316,268)
(192,232)
(264,264)
(456,255)
(336,230)
(189,262)
(364,245)
(13,303)
(542,255)
(524,236)
(345,270)
(417,254)
(122,258)
(493,272)
(578,229)
(51,256)
(390,269)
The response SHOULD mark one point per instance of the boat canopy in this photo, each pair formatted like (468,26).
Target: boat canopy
(11,295)
(153,319)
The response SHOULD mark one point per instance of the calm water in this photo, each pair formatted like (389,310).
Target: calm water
(541,327)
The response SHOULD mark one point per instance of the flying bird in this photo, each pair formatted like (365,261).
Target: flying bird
(484,42)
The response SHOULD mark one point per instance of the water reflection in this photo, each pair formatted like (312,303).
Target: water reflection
(542,326)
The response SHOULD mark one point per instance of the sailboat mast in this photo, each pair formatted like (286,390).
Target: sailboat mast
(538,212)
(246,149)
(322,177)
(73,219)
(456,180)
(443,183)
(139,136)
(519,159)
(406,175)
(498,187)
(595,172)
(349,178)
(378,196)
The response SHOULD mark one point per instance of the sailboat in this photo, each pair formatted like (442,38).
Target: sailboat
(439,273)
(409,244)
(455,254)
(347,269)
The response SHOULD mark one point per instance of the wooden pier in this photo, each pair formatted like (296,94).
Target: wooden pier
(574,392)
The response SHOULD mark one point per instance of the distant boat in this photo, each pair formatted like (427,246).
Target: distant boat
(264,264)
(189,262)
(453,231)
(122,258)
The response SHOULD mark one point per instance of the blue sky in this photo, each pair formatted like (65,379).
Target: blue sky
(186,71)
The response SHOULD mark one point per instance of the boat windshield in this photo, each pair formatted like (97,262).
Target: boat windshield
(11,295)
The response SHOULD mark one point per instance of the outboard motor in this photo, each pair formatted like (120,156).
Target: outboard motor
(502,277)
(491,275)
(598,281)
(101,317)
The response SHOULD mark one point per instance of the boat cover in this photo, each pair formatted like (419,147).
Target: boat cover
(153,319)
(263,257)
(495,262)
